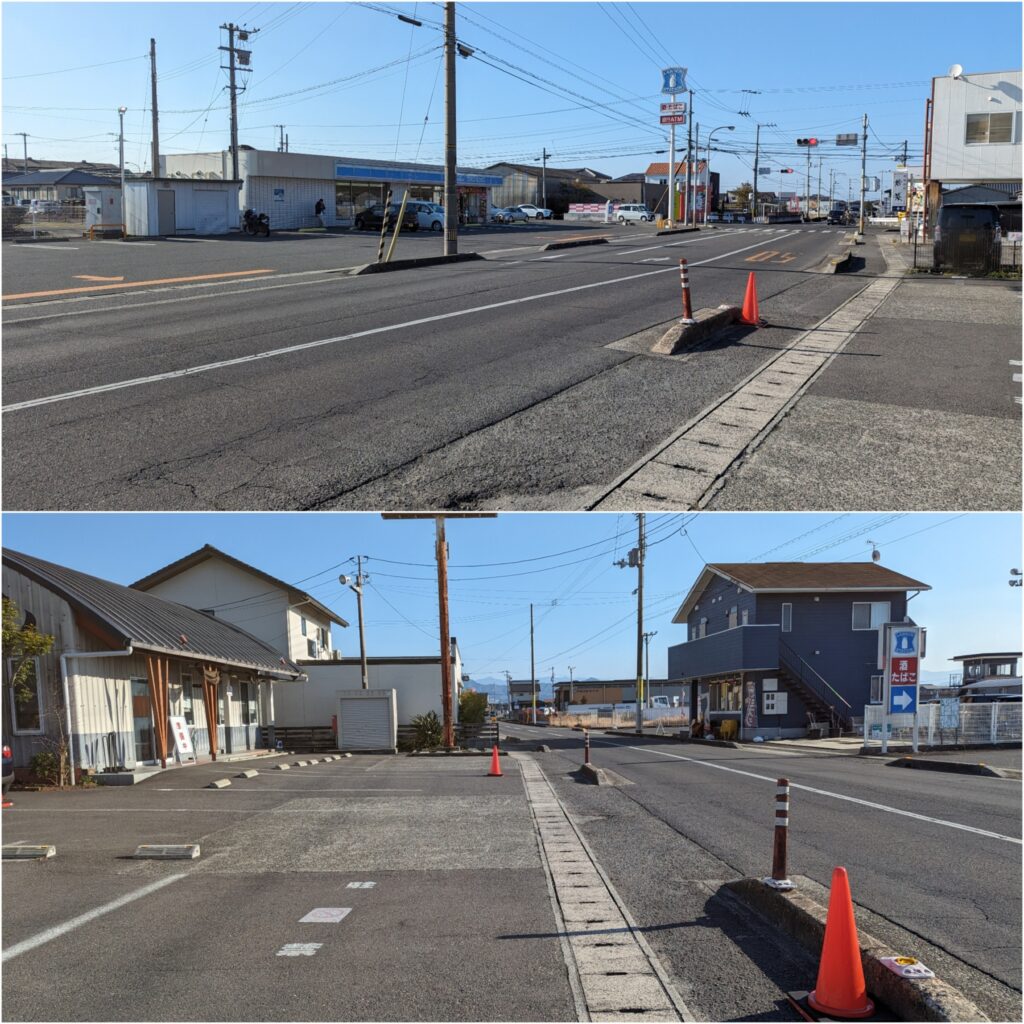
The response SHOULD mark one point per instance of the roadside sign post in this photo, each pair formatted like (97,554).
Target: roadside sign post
(673,82)
(902,658)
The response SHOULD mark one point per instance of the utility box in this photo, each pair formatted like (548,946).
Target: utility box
(102,207)
(367,721)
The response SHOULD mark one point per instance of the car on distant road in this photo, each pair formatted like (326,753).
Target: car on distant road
(536,212)
(373,217)
(628,212)
(8,776)
(510,215)
(837,216)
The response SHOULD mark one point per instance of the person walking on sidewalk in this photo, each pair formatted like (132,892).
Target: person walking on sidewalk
(321,206)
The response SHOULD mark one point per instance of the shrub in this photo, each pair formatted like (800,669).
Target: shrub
(472,707)
(46,766)
(428,730)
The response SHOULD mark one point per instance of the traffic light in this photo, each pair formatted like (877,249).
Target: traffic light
(806,142)
(786,170)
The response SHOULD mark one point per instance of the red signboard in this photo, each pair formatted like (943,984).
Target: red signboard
(673,119)
(904,671)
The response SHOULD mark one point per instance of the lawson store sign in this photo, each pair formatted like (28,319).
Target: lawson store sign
(351,172)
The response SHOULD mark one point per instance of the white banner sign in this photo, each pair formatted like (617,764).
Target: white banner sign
(182,740)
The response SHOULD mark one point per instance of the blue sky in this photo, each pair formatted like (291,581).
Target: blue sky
(584,608)
(810,68)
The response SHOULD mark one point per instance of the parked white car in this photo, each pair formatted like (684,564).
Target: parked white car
(429,216)
(536,212)
(632,212)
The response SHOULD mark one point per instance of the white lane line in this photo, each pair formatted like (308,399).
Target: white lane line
(192,371)
(57,248)
(361,885)
(76,922)
(838,796)
(557,256)
(111,241)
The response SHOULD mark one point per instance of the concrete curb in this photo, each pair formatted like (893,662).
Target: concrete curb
(708,321)
(571,243)
(834,262)
(597,776)
(803,919)
(219,784)
(956,767)
(424,261)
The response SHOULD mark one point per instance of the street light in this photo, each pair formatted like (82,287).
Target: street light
(707,164)
(121,111)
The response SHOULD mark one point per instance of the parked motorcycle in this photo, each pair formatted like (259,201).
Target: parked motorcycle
(255,224)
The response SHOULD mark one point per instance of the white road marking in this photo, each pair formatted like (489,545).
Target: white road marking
(299,949)
(361,885)
(111,241)
(557,256)
(306,346)
(838,796)
(57,248)
(326,915)
(76,922)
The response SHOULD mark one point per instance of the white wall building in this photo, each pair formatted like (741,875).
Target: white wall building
(286,186)
(416,681)
(975,128)
(291,621)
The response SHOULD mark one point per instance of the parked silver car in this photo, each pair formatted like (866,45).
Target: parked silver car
(510,215)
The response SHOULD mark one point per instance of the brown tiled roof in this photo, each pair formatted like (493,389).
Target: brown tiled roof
(816,576)
(654,170)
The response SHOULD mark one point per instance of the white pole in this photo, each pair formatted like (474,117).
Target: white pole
(671,174)
(124,206)
(886,683)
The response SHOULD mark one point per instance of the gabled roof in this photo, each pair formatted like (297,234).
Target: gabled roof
(207,551)
(566,173)
(657,170)
(799,577)
(150,623)
(58,176)
(986,654)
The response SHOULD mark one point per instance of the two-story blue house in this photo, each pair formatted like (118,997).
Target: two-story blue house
(773,647)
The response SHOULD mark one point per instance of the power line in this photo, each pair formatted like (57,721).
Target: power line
(83,67)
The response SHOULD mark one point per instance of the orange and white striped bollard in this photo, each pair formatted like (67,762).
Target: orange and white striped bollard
(779,878)
(684,280)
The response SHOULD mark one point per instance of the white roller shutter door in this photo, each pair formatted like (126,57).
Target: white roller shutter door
(365,724)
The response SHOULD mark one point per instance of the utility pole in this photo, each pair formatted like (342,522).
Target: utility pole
(24,141)
(831,186)
(235,57)
(757,154)
(544,154)
(808,185)
(508,691)
(863,175)
(635,560)
(647,653)
(817,200)
(121,111)
(572,668)
(451,199)
(441,555)
(357,589)
(689,151)
(280,139)
(156,115)
(533,674)
(692,202)
(671,211)
(904,160)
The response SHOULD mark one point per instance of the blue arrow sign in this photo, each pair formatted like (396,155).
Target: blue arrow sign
(902,700)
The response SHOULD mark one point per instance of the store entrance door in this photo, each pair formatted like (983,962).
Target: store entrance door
(142,720)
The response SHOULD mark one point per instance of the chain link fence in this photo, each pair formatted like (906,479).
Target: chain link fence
(50,221)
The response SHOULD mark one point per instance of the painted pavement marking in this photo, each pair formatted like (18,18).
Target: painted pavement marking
(299,949)
(838,796)
(306,346)
(57,931)
(326,915)
(136,284)
(360,885)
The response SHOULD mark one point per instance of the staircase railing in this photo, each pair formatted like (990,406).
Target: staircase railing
(840,709)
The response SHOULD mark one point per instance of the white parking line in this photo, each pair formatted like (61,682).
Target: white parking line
(57,248)
(299,949)
(76,922)
(192,371)
(837,796)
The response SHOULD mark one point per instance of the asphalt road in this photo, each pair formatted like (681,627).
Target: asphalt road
(940,881)
(516,382)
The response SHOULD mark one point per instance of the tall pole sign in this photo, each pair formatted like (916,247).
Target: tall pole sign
(902,671)
(673,82)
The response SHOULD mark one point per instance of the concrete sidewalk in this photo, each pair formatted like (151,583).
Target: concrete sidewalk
(926,385)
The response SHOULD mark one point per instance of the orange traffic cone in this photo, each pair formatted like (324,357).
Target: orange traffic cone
(750,313)
(840,991)
(495,762)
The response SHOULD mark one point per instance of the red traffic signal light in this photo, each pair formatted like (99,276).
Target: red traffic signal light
(806,142)
(786,170)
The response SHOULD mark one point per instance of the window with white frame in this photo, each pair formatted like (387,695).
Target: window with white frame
(988,129)
(787,618)
(745,617)
(870,614)
(703,627)
(734,617)
(311,648)
(302,624)
(877,683)
(27,697)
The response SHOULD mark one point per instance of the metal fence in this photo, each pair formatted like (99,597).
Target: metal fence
(970,258)
(21,223)
(971,725)
(614,718)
